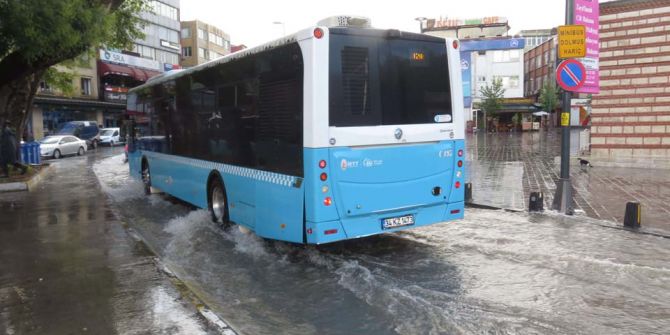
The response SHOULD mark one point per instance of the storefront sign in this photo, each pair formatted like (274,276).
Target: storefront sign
(586,13)
(119,58)
(466,77)
(168,66)
(454,22)
(496,44)
(170,45)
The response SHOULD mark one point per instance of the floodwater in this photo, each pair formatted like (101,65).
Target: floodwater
(492,273)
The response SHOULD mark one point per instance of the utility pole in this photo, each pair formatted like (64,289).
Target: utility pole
(563,196)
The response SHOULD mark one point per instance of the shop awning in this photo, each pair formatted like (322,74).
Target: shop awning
(136,73)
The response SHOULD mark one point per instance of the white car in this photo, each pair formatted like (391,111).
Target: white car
(62,145)
(110,136)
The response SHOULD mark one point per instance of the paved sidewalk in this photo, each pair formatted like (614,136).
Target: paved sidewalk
(67,266)
(505,167)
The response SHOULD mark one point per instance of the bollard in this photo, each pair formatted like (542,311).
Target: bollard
(468,192)
(633,216)
(536,202)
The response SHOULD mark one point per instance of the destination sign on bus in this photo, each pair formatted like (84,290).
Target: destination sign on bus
(418,56)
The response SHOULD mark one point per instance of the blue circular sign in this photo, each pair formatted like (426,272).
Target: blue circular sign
(570,75)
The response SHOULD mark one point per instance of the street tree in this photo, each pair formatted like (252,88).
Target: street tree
(492,97)
(549,97)
(38,34)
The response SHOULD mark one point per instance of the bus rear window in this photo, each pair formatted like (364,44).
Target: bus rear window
(381,80)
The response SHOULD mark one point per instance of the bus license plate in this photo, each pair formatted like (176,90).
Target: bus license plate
(399,221)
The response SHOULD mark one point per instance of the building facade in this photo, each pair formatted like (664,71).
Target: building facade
(102,78)
(53,107)
(539,67)
(535,37)
(631,115)
(201,42)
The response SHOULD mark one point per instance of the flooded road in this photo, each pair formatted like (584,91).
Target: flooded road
(494,273)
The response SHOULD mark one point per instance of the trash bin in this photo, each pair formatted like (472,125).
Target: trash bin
(30,153)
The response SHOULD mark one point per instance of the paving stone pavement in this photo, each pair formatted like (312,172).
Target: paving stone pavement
(505,168)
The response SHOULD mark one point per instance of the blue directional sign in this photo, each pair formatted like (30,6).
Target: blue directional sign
(570,75)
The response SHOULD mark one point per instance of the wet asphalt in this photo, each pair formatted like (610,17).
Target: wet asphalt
(68,265)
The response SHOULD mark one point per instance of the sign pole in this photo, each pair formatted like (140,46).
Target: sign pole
(563,196)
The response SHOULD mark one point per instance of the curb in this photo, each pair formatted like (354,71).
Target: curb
(186,291)
(647,163)
(26,185)
(631,230)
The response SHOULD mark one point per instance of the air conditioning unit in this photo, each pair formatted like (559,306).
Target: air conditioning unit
(346,21)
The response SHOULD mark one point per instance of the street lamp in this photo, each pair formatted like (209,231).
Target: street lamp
(283,27)
(421,19)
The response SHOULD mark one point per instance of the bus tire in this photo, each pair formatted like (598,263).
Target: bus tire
(146,177)
(217,201)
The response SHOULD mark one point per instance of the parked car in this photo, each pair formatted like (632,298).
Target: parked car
(110,136)
(85,130)
(58,146)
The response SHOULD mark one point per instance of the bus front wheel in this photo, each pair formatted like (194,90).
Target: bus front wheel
(218,205)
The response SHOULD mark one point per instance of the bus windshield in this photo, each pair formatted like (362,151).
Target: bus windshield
(382,78)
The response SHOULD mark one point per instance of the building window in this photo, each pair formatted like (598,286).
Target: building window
(44,87)
(508,81)
(202,53)
(85,86)
(212,38)
(185,32)
(503,56)
(186,52)
(161,9)
(202,35)
(481,78)
(145,51)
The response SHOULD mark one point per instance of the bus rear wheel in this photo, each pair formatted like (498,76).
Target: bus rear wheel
(218,204)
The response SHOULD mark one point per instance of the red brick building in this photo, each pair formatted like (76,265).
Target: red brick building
(631,115)
(539,67)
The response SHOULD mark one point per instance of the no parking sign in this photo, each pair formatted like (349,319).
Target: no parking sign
(570,75)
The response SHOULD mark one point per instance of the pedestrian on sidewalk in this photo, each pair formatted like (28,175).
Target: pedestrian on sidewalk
(9,151)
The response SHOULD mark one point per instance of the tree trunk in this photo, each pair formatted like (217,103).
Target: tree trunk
(16,99)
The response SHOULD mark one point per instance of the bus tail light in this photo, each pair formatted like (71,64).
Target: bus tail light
(318,33)
(322,164)
(460,163)
(323,176)
(309,231)
(460,153)
(330,232)
(455,211)
(327,201)
(455,44)
(458,184)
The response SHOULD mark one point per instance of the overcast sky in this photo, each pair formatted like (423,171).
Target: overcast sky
(250,22)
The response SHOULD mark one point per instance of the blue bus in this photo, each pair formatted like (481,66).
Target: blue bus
(333,133)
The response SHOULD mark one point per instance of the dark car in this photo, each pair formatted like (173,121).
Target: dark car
(85,130)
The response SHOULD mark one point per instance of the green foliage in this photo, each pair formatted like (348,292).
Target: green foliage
(59,80)
(48,29)
(493,96)
(549,97)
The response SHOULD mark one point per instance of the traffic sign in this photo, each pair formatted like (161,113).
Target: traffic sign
(572,41)
(570,75)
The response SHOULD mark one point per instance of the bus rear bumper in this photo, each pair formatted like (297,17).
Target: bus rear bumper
(361,226)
